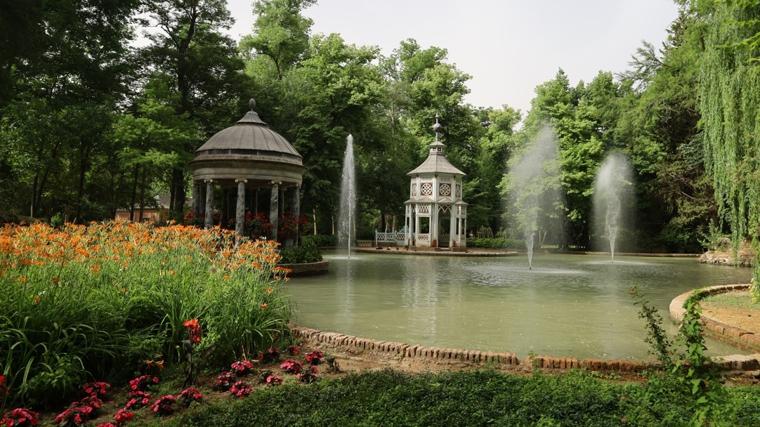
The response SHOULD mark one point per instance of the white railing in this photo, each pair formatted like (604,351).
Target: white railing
(396,237)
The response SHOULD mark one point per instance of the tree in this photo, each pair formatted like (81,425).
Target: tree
(201,62)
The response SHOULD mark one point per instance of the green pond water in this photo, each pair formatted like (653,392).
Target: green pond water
(568,305)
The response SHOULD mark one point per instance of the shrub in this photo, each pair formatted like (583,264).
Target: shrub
(307,252)
(96,301)
(321,240)
(494,243)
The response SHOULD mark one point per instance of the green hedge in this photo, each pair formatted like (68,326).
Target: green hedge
(467,398)
(321,240)
(494,243)
(307,252)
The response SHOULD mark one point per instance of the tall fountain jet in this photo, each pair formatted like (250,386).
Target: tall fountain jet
(533,184)
(347,214)
(612,197)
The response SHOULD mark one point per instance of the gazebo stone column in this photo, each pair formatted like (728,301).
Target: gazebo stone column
(240,207)
(209,220)
(274,211)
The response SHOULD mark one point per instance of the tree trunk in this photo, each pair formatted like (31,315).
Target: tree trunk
(142,194)
(134,193)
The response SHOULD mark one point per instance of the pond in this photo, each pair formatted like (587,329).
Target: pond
(568,305)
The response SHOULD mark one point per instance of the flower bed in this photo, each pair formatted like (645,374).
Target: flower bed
(97,301)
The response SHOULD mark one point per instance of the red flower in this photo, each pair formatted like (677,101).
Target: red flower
(273,379)
(137,400)
(20,417)
(315,357)
(308,376)
(3,387)
(142,382)
(190,395)
(164,405)
(193,328)
(97,389)
(79,412)
(294,350)
(224,381)
(241,389)
(122,416)
(291,366)
(242,367)
(271,355)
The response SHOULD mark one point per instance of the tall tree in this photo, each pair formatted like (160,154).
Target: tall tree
(190,49)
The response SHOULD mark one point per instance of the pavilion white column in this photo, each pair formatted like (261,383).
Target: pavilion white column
(196,199)
(459,225)
(416,225)
(452,226)
(240,207)
(434,226)
(209,220)
(274,204)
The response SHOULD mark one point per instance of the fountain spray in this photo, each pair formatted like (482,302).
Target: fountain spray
(347,214)
(533,184)
(612,190)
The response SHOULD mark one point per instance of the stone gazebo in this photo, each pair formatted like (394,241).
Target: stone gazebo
(435,193)
(241,162)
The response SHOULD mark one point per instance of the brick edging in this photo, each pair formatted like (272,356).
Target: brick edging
(451,356)
(386,351)
(721,330)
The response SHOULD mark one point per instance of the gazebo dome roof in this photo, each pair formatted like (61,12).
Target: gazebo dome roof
(436,163)
(249,134)
(251,150)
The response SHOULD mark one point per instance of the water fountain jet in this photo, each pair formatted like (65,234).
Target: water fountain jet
(347,213)
(612,195)
(533,184)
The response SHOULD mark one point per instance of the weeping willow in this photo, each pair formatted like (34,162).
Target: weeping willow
(730,108)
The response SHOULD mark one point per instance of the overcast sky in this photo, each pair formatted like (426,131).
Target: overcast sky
(508,47)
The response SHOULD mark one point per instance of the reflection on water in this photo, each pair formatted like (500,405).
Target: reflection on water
(568,305)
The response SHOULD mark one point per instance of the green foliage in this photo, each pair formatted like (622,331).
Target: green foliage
(463,398)
(321,240)
(71,320)
(494,243)
(730,95)
(687,377)
(308,251)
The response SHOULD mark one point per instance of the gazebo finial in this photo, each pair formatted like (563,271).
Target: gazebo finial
(252,104)
(437,129)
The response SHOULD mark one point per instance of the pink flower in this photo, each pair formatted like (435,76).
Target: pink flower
(122,416)
(273,379)
(20,417)
(190,395)
(294,350)
(315,357)
(97,389)
(224,381)
(291,366)
(142,382)
(137,400)
(242,367)
(308,376)
(271,355)
(164,405)
(241,389)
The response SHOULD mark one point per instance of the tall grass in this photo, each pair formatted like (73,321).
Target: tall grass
(95,301)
